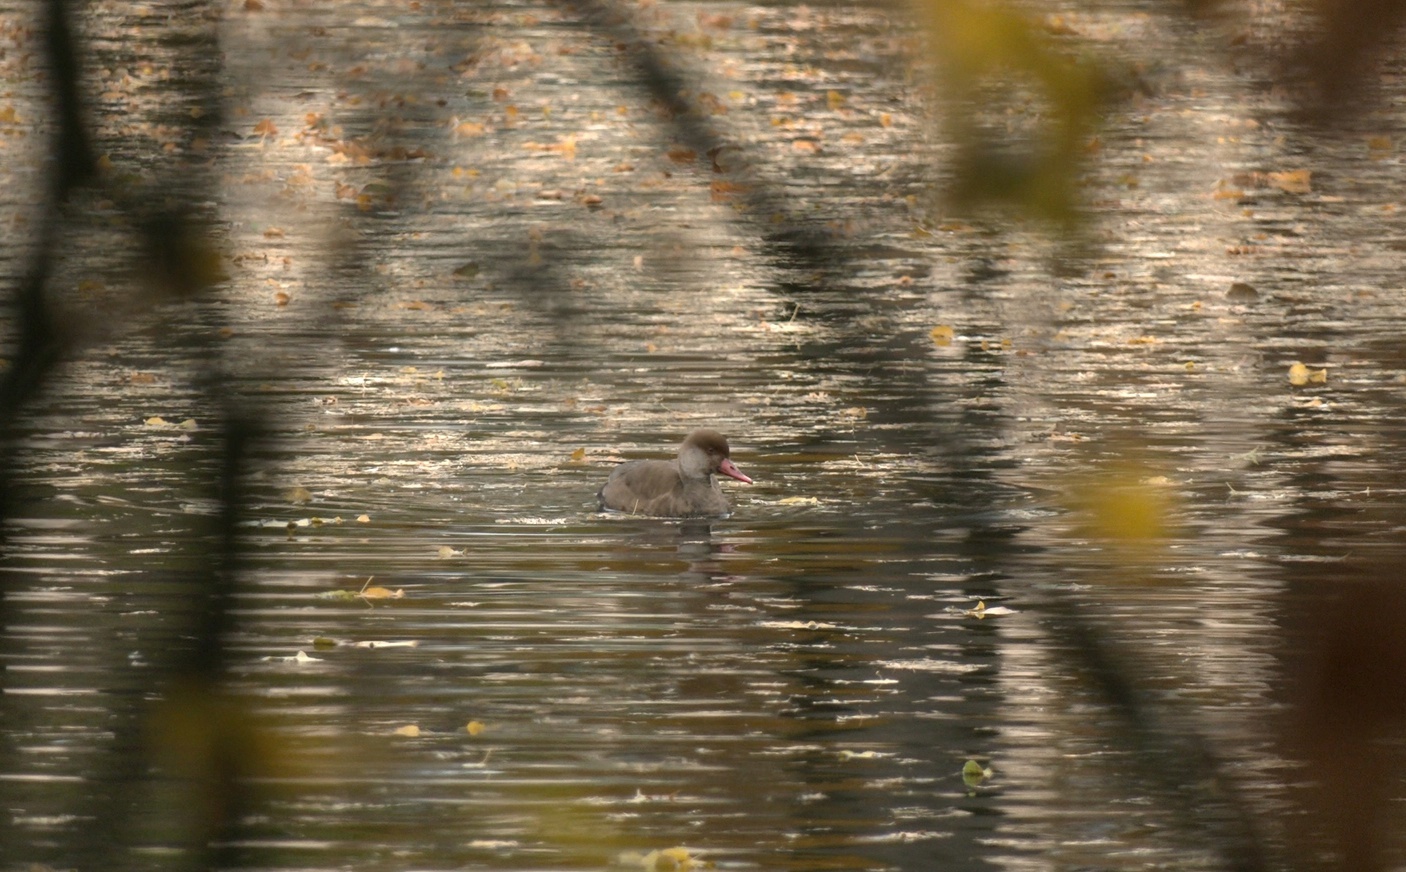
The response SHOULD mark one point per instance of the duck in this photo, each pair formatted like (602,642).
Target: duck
(679,488)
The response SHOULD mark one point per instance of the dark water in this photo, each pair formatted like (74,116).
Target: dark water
(1110,444)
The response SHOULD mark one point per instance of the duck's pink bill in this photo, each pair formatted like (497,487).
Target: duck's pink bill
(729,469)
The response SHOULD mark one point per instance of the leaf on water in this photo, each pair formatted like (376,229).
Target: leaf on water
(363,519)
(474,728)
(1242,292)
(469,129)
(188,424)
(322,643)
(410,730)
(942,335)
(982,610)
(378,593)
(156,421)
(281,298)
(266,128)
(578,455)
(1293,181)
(1300,375)
(467,271)
(973,773)
(678,859)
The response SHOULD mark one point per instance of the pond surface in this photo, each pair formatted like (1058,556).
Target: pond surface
(470,268)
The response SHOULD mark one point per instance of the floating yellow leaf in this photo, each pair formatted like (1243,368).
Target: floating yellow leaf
(474,728)
(578,455)
(982,611)
(469,129)
(1293,181)
(363,519)
(1300,375)
(382,593)
(156,421)
(411,730)
(666,860)
(943,334)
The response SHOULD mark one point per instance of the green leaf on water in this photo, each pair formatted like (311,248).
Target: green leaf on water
(973,773)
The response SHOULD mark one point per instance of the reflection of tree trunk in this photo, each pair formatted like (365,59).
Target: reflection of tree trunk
(38,347)
(1349,706)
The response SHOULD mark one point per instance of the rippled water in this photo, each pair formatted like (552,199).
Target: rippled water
(469,342)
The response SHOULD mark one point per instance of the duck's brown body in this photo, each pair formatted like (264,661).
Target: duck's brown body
(680,488)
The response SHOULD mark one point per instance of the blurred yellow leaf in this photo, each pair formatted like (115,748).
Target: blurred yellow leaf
(943,335)
(578,455)
(410,730)
(363,519)
(1123,503)
(474,728)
